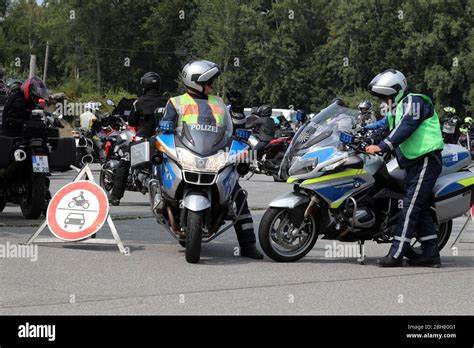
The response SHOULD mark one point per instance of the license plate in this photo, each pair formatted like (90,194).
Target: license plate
(40,164)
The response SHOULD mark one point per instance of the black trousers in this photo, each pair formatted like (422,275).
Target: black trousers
(260,147)
(244,226)
(415,216)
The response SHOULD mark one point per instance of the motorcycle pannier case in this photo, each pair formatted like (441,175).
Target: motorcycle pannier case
(6,146)
(453,195)
(63,155)
(141,153)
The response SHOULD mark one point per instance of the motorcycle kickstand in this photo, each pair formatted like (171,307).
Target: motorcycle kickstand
(250,176)
(361,252)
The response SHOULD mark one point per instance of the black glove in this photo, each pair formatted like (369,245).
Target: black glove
(235,99)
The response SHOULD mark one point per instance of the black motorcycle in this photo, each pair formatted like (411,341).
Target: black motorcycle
(269,162)
(28,160)
(138,177)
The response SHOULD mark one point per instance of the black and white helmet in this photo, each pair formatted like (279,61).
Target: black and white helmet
(388,84)
(365,107)
(198,73)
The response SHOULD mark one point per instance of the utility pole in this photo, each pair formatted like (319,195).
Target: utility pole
(32,65)
(46,57)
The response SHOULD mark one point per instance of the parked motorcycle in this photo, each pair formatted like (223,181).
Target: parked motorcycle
(193,181)
(270,162)
(28,160)
(138,176)
(87,150)
(342,193)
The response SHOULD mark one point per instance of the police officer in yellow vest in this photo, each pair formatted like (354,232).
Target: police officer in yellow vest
(197,106)
(415,136)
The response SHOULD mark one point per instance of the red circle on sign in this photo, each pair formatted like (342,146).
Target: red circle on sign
(93,188)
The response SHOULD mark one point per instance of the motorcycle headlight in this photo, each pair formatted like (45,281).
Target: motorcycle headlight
(208,164)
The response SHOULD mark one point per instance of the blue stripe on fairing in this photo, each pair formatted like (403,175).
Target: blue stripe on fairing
(323,154)
(167,181)
(450,188)
(447,160)
(167,139)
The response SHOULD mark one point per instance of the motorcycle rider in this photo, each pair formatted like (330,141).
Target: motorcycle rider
(198,77)
(265,127)
(20,103)
(416,138)
(143,117)
(366,115)
(91,123)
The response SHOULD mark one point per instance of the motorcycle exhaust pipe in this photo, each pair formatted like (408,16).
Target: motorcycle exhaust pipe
(309,210)
(173,224)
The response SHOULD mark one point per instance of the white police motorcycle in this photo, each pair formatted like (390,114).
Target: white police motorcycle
(194,173)
(342,193)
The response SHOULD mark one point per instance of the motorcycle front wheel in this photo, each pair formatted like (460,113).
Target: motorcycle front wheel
(279,237)
(106,180)
(194,236)
(34,197)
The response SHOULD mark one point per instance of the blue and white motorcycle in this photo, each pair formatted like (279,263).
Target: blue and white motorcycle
(342,193)
(194,173)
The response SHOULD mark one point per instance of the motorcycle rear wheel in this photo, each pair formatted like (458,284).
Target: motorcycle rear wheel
(33,199)
(194,236)
(274,234)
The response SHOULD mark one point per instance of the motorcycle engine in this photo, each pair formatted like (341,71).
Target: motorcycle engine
(364,217)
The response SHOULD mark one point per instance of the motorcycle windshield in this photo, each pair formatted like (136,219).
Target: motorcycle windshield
(322,130)
(205,134)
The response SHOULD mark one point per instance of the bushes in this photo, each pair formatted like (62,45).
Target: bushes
(84,90)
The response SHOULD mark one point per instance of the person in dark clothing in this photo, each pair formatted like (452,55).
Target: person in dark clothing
(265,127)
(20,103)
(198,105)
(144,117)
(415,136)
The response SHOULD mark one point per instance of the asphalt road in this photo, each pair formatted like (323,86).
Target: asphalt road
(155,278)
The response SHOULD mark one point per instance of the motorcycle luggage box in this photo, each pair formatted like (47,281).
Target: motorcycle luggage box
(453,195)
(6,146)
(63,156)
(141,152)
(455,157)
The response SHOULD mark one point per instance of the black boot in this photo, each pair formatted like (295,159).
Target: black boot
(251,251)
(114,201)
(390,261)
(426,261)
